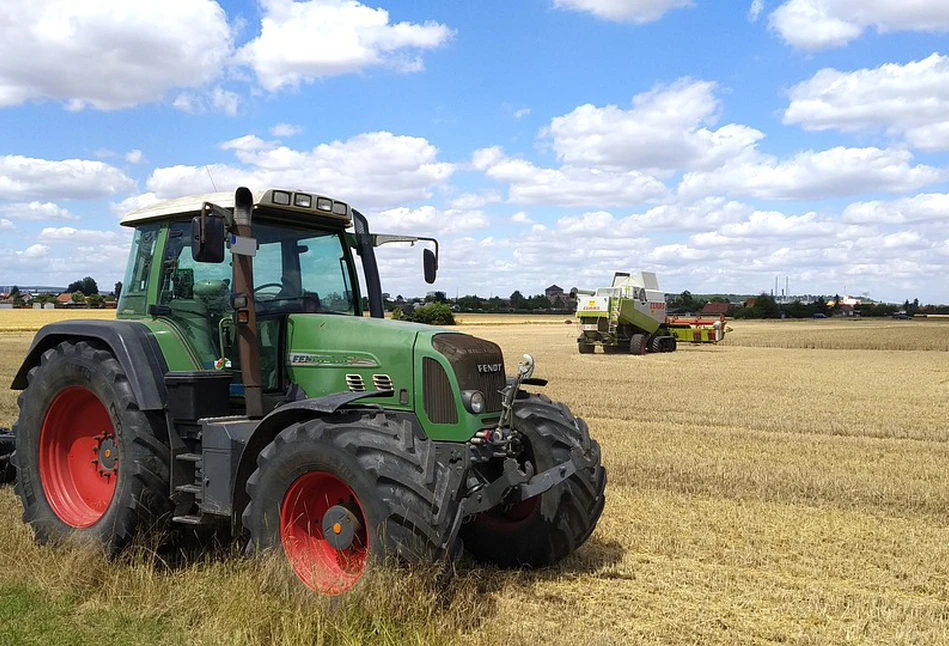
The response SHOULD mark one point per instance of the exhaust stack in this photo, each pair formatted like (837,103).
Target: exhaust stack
(245,311)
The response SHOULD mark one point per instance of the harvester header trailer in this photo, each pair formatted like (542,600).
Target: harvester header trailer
(630,316)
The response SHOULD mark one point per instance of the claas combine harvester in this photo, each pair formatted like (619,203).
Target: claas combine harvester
(241,387)
(630,316)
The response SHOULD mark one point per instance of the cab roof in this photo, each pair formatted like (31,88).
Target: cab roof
(292,203)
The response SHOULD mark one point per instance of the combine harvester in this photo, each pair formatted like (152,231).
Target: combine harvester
(630,316)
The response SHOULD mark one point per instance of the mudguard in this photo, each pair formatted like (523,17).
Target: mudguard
(132,344)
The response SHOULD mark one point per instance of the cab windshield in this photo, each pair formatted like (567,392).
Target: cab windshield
(300,270)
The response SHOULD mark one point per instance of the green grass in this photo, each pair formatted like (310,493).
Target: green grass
(30,616)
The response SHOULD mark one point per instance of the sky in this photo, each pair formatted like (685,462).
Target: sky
(720,145)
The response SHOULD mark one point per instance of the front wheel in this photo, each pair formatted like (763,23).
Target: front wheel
(7,472)
(335,496)
(542,530)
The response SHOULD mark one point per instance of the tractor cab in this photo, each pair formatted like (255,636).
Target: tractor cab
(199,275)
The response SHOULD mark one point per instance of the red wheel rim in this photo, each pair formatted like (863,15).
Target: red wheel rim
(315,562)
(510,520)
(79,483)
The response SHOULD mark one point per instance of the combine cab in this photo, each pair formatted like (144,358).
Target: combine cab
(630,316)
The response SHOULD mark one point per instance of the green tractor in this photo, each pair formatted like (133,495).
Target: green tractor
(241,387)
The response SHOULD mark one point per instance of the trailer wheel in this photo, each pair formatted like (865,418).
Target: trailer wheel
(544,529)
(336,496)
(637,344)
(7,444)
(90,464)
(585,348)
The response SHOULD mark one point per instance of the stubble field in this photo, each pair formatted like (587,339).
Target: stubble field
(790,485)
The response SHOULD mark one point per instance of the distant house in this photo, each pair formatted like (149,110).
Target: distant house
(715,309)
(64,300)
(555,295)
(751,302)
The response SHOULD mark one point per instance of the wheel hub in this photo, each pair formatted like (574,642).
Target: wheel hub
(340,526)
(107,456)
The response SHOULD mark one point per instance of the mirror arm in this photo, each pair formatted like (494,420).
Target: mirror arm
(379,239)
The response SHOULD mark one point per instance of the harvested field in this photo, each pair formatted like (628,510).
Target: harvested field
(797,493)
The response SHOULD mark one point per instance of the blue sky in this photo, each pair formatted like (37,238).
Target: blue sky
(719,144)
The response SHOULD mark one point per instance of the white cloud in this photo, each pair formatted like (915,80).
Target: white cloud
(757,6)
(77,236)
(36,211)
(27,178)
(632,11)
(521,217)
(301,42)
(187,102)
(567,186)
(664,132)
(371,170)
(821,24)
(6,225)
(473,201)
(34,252)
(135,156)
(284,130)
(909,101)
(837,172)
(429,220)
(520,113)
(929,208)
(109,54)
(225,101)
(134,202)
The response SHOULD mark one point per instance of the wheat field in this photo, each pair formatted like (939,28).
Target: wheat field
(790,485)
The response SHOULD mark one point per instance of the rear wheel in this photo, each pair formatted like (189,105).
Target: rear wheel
(585,348)
(90,464)
(544,529)
(337,496)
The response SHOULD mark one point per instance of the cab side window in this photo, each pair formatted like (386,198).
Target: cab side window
(197,294)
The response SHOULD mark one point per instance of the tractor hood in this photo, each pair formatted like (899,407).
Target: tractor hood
(424,368)
(326,353)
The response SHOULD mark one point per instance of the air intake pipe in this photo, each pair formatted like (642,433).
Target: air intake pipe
(245,311)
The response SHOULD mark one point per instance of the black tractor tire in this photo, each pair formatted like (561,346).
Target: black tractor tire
(658,344)
(390,472)
(671,345)
(585,348)
(544,529)
(77,390)
(637,344)
(7,470)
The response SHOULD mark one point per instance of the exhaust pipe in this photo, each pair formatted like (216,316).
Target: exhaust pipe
(245,311)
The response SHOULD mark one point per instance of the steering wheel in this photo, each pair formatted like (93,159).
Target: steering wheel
(269,297)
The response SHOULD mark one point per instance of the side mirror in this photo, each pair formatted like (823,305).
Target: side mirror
(430,265)
(207,239)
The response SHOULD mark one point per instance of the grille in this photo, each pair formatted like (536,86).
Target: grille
(355,383)
(439,400)
(478,365)
(382,382)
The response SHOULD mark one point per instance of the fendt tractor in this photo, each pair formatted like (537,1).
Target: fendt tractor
(630,316)
(242,387)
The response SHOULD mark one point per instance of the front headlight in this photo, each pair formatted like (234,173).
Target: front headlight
(473,401)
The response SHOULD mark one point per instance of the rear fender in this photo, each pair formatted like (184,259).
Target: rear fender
(131,343)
